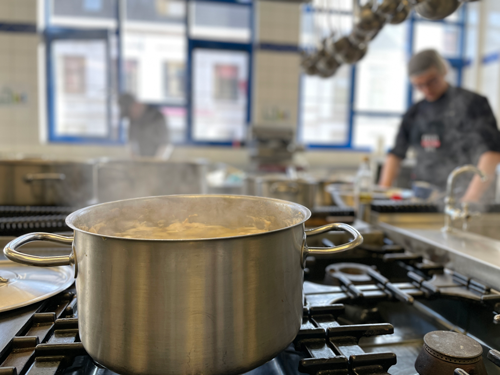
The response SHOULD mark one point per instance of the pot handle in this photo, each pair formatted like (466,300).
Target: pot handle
(44,177)
(11,252)
(356,241)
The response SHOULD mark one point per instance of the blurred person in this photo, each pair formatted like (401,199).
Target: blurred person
(147,132)
(449,128)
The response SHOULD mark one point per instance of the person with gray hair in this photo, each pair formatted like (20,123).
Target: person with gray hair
(450,127)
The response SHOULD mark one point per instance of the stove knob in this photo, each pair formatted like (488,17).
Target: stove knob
(459,371)
(496,319)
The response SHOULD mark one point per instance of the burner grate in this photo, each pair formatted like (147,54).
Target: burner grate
(18,211)
(17,226)
(19,220)
(49,344)
(385,206)
(333,348)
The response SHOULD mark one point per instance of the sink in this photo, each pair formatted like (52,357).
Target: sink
(474,253)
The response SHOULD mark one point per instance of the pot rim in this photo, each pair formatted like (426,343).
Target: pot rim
(73,216)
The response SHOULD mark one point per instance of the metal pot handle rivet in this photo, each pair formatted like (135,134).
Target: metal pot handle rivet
(356,241)
(11,252)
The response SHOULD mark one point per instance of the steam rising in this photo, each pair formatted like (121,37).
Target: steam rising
(125,179)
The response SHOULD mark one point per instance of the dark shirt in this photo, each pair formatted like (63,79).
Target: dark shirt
(148,133)
(453,131)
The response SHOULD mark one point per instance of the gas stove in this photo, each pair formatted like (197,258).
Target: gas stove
(365,312)
(18,220)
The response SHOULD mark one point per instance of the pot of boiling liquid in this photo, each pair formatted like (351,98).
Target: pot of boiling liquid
(187,284)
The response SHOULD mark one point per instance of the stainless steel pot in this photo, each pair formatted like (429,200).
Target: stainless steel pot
(300,191)
(125,179)
(39,182)
(205,306)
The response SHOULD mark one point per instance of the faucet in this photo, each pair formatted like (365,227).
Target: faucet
(450,212)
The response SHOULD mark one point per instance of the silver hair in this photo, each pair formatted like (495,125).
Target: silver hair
(424,60)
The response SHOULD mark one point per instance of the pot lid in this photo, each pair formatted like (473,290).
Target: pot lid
(23,285)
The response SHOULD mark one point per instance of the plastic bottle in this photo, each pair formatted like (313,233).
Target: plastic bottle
(363,189)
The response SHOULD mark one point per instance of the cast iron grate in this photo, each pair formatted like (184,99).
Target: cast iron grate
(17,211)
(49,343)
(333,348)
(17,226)
(403,207)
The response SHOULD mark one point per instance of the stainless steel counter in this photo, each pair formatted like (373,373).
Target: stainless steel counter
(470,254)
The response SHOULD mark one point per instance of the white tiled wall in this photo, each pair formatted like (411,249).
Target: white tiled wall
(22,11)
(18,74)
(276,90)
(278,22)
(276,78)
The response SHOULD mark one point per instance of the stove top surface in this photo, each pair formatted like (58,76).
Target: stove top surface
(367,315)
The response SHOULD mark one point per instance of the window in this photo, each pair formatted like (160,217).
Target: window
(220,51)
(152,65)
(373,131)
(80,96)
(219,21)
(97,9)
(362,105)
(219,94)
(383,71)
(154,39)
(193,60)
(158,11)
(324,108)
(442,37)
